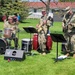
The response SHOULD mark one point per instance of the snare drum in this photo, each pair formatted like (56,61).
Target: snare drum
(7,33)
(3,45)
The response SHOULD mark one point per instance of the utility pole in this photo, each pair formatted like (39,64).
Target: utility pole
(47,5)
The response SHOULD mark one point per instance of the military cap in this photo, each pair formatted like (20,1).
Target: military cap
(67,8)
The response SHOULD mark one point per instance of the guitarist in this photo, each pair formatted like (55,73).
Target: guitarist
(68,24)
(42,28)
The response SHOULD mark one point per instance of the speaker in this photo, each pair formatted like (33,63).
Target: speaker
(26,45)
(14,55)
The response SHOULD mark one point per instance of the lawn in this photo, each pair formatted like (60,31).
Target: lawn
(37,64)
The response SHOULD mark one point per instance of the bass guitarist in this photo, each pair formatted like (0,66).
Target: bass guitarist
(68,24)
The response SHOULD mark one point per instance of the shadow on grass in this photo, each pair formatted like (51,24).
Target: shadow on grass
(25,22)
(31,54)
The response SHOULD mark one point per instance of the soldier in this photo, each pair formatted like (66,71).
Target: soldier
(68,24)
(42,28)
(10,28)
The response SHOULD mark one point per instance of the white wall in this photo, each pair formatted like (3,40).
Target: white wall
(38,15)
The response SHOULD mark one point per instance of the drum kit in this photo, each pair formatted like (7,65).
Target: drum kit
(27,44)
(3,44)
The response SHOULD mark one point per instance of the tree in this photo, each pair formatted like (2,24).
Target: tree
(47,5)
(10,7)
(2,2)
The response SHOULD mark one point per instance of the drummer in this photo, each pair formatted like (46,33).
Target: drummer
(10,28)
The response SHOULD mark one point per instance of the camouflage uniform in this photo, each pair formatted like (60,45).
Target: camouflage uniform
(13,36)
(72,31)
(43,33)
(69,34)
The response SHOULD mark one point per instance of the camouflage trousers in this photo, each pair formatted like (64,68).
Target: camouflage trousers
(70,45)
(42,42)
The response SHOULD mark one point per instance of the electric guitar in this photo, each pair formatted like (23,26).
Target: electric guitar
(67,23)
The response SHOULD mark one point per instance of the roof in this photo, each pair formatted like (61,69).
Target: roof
(53,5)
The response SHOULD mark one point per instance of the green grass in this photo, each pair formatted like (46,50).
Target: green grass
(38,64)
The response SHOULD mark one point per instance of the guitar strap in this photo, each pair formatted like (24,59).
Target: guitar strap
(69,19)
(65,30)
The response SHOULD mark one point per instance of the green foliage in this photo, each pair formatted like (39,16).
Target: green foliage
(2,2)
(10,7)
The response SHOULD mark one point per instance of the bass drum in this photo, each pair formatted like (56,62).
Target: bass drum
(2,46)
(36,44)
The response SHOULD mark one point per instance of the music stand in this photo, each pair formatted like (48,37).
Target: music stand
(57,38)
(30,30)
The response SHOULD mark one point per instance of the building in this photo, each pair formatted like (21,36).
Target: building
(56,8)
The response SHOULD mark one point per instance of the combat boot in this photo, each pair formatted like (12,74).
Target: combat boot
(67,54)
(74,55)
